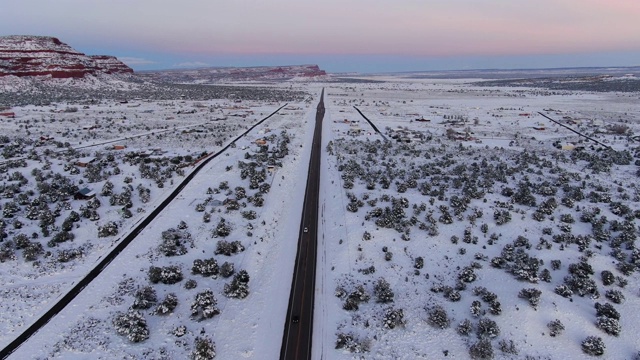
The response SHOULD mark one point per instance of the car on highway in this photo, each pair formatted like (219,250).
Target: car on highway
(295,319)
(306,229)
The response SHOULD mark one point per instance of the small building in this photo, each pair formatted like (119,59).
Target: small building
(119,147)
(84,194)
(10,115)
(261,142)
(84,162)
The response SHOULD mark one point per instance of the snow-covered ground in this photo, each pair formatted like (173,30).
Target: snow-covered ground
(467,191)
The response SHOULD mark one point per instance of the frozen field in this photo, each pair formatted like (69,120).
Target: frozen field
(473,227)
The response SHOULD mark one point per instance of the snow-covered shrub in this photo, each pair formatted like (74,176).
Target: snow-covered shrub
(172,243)
(206,267)
(180,331)
(382,291)
(7,252)
(532,295)
(608,325)
(501,217)
(133,325)
(108,229)
(239,286)
(487,328)
(62,236)
(593,345)
(437,317)
(555,327)
(249,215)
(476,308)
(227,269)
(607,310)
(204,306)
(508,347)
(353,345)
(563,290)
(482,349)
(167,305)
(615,296)
(167,274)
(467,275)
(203,349)
(190,284)
(32,251)
(465,328)
(228,248)
(393,318)
(545,275)
(418,262)
(145,298)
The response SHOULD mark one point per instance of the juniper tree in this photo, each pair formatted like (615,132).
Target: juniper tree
(204,306)
(133,325)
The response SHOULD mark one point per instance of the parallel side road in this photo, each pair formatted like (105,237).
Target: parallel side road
(375,128)
(66,299)
(298,328)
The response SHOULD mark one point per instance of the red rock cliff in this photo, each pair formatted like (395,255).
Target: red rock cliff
(48,56)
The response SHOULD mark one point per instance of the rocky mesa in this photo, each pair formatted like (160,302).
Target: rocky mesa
(236,74)
(27,56)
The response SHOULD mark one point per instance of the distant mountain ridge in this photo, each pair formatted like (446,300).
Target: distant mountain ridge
(30,56)
(235,74)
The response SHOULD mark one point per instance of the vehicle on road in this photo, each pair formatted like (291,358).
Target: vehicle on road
(295,319)
(306,229)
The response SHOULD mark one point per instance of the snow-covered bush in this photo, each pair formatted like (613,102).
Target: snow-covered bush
(556,327)
(348,342)
(239,286)
(172,242)
(227,269)
(608,325)
(437,317)
(145,298)
(382,291)
(593,345)
(204,306)
(532,295)
(167,305)
(487,328)
(203,349)
(222,229)
(482,350)
(508,347)
(206,267)
(133,325)
(607,310)
(465,328)
(563,290)
(615,296)
(167,274)
(190,284)
(393,318)
(108,229)
(228,248)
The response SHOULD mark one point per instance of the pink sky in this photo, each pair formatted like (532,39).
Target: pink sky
(342,27)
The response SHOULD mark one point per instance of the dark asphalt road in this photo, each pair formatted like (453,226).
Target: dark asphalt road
(80,285)
(296,342)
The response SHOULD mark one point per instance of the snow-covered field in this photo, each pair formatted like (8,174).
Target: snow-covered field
(478,214)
